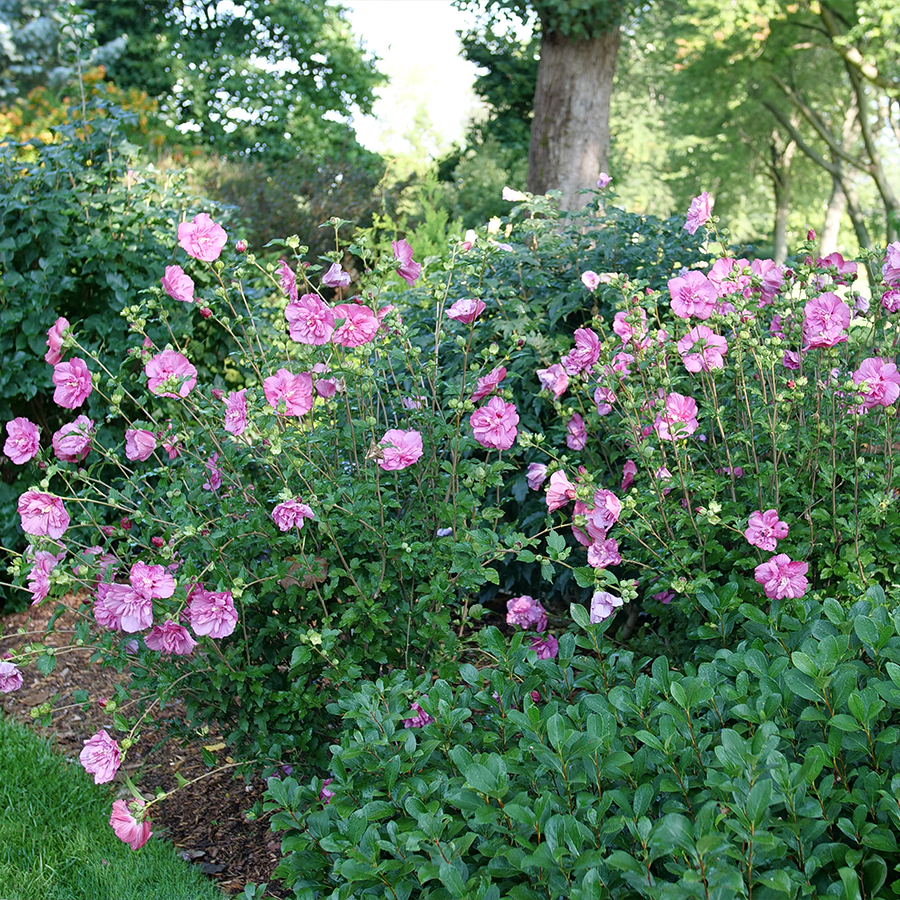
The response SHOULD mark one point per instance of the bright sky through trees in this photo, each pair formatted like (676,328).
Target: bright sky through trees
(427,105)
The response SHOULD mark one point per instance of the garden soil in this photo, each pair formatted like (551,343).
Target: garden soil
(206,821)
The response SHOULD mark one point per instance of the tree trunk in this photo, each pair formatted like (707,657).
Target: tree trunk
(570,130)
(834,212)
(780,169)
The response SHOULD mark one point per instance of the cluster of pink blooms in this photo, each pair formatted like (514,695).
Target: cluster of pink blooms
(528,613)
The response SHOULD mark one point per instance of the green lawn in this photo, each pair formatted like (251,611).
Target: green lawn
(55,838)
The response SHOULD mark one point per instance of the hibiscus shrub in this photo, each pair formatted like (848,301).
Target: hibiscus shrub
(767,770)
(261,546)
(84,229)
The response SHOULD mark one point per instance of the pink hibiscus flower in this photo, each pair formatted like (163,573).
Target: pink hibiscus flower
(178,284)
(202,238)
(10,677)
(527,612)
(295,390)
(890,300)
(466,311)
(825,322)
(764,529)
(602,554)
(55,341)
(626,331)
(310,320)
(72,442)
(291,514)
(131,610)
(23,440)
(359,327)
(586,353)
(629,470)
(693,295)
(678,420)
(133,831)
(554,379)
(42,514)
(604,514)
(139,444)
(603,605)
(891,267)
(576,433)
(560,491)
(400,449)
(214,479)
(419,720)
(603,400)
(212,613)
(170,638)
(73,383)
(879,380)
(536,475)
(169,374)
(288,281)
(236,412)
(101,757)
(782,578)
(487,384)
(771,276)
(335,277)
(590,280)
(409,270)
(494,424)
(546,648)
(726,275)
(43,563)
(698,213)
(702,350)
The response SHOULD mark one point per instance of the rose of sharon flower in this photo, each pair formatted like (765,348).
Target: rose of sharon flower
(178,284)
(782,578)
(604,399)
(133,831)
(494,424)
(466,311)
(10,677)
(212,613)
(604,514)
(487,384)
(360,325)
(603,605)
(153,582)
(43,514)
(54,340)
(602,554)
(139,444)
(726,275)
(325,794)
(679,419)
(698,213)
(590,280)
(629,470)
(295,390)
(236,412)
(825,322)
(693,295)
(310,320)
(546,648)
(170,371)
(72,442)
(560,491)
(288,281)
(702,350)
(764,529)
(335,277)
(527,612)
(536,475)
(409,270)
(73,383)
(170,638)
(23,440)
(44,562)
(400,449)
(419,720)
(554,379)
(604,181)
(291,514)
(880,381)
(214,479)
(891,267)
(586,353)
(576,433)
(202,238)
(101,757)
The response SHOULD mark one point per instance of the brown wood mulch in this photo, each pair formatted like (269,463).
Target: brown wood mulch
(205,821)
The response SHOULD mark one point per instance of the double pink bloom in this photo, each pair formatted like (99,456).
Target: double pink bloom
(399,449)
(494,424)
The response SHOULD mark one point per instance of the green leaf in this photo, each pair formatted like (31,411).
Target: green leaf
(46,663)
(452,880)
(579,615)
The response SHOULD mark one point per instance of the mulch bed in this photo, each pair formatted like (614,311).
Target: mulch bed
(205,821)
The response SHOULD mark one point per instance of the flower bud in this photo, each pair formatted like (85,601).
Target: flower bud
(205,311)
(241,246)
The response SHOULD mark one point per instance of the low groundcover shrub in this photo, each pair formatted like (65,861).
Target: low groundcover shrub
(769,770)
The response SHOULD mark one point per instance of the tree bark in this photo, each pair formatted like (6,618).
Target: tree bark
(834,212)
(780,170)
(570,130)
